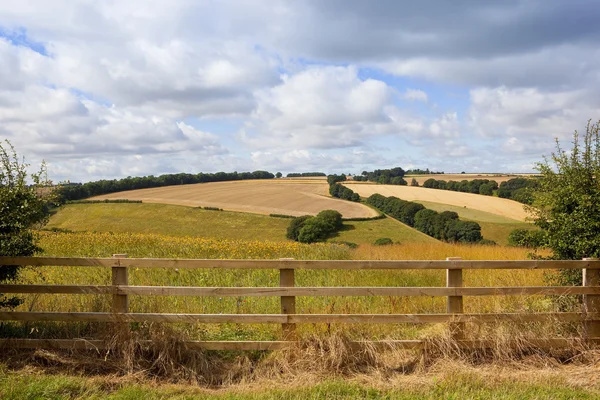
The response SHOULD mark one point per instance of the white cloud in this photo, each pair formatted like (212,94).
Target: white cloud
(529,113)
(415,95)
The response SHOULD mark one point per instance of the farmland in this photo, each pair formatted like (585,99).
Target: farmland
(493,205)
(283,196)
(460,177)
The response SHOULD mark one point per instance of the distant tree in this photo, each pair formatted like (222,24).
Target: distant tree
(414,182)
(278,175)
(23,206)
(398,181)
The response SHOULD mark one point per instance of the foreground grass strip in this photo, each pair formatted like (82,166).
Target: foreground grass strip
(58,387)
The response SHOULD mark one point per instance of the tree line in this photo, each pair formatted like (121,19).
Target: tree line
(476,186)
(393,176)
(418,171)
(77,191)
(304,174)
(445,226)
(339,191)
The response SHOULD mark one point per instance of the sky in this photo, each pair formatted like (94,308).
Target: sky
(117,88)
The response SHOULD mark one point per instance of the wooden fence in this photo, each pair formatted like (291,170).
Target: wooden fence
(119,289)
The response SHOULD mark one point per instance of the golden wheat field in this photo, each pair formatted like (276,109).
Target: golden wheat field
(283,196)
(494,205)
(469,177)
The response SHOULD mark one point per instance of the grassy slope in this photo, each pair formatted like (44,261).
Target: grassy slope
(168,220)
(186,221)
(369,231)
(493,227)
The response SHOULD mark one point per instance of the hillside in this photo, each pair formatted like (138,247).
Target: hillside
(291,197)
(172,220)
(493,205)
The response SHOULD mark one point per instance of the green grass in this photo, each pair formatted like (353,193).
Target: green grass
(180,221)
(25,386)
(369,231)
(169,220)
(493,227)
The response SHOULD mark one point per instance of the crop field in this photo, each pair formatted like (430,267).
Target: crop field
(493,205)
(460,177)
(274,196)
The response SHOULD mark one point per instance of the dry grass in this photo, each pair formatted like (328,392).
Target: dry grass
(494,205)
(275,196)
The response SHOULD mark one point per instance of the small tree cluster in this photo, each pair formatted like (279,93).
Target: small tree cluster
(342,192)
(309,229)
(444,226)
(384,176)
(333,179)
(518,189)
(475,186)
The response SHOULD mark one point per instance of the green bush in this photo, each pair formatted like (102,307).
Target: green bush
(333,218)
(383,242)
(295,225)
(314,230)
(526,238)
(22,207)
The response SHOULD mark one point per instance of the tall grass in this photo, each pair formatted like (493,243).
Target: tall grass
(159,246)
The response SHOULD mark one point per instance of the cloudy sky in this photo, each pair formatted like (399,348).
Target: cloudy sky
(107,89)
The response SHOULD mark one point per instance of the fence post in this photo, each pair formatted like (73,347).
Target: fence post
(288,303)
(120,277)
(591,302)
(454,278)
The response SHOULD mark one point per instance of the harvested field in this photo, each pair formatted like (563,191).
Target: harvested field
(460,177)
(495,205)
(291,197)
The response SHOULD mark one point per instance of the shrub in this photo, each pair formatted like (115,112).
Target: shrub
(333,218)
(295,225)
(414,182)
(281,216)
(314,230)
(383,242)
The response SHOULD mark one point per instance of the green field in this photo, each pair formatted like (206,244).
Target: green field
(170,220)
(493,227)
(369,231)
(164,219)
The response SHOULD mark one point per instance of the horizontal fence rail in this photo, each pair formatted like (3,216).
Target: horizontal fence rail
(120,290)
